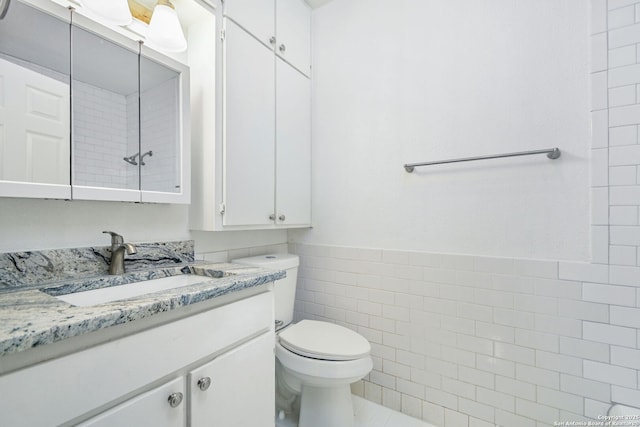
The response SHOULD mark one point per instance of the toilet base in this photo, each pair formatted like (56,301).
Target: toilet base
(326,406)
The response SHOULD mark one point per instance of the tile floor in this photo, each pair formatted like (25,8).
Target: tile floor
(369,414)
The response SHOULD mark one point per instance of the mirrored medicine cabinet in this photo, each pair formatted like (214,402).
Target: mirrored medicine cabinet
(87,113)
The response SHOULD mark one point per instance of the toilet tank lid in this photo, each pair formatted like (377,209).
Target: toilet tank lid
(270,261)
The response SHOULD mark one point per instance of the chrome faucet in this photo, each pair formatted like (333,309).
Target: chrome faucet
(118,248)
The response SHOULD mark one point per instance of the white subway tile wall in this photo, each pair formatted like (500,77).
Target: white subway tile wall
(477,340)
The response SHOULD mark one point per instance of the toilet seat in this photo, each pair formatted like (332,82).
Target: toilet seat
(324,341)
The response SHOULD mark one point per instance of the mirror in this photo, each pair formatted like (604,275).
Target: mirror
(105,119)
(160,156)
(87,112)
(34,103)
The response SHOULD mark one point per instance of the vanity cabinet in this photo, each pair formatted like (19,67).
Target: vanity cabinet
(152,408)
(89,113)
(231,390)
(135,380)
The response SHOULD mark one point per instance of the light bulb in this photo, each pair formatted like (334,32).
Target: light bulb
(112,12)
(164,30)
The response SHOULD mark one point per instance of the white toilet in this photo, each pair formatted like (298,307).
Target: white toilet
(315,361)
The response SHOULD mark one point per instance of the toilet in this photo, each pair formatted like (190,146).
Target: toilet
(315,361)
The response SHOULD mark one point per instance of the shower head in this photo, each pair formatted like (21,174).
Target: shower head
(131,159)
(148,153)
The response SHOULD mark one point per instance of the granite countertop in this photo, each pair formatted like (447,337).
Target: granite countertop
(31,317)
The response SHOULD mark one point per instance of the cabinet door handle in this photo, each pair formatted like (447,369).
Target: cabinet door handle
(272,40)
(282,217)
(175,399)
(204,383)
(282,48)
(272,217)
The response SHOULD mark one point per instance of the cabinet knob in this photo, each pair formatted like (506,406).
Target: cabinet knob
(282,217)
(272,40)
(282,48)
(272,217)
(175,399)
(204,383)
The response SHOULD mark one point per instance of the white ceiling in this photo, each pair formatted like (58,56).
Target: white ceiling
(317,3)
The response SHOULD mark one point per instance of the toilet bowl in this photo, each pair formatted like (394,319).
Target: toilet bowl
(315,361)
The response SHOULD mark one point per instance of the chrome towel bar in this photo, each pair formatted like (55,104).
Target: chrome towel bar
(552,153)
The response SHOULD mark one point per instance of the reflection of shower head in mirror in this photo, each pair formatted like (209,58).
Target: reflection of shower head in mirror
(148,153)
(4,7)
(132,159)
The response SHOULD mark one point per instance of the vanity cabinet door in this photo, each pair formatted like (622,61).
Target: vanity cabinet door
(249,129)
(163,406)
(237,389)
(34,104)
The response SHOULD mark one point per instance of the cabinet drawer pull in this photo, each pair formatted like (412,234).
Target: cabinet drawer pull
(282,217)
(175,399)
(282,48)
(204,383)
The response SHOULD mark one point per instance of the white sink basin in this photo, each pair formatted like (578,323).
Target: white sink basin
(130,290)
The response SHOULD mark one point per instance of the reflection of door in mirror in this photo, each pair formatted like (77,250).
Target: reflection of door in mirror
(34,100)
(159,127)
(106,145)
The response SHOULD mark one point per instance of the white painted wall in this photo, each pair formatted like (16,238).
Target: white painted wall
(31,224)
(420,81)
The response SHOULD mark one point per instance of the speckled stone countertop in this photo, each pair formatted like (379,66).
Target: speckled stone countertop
(31,315)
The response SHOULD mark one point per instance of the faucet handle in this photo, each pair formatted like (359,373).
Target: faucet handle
(116,239)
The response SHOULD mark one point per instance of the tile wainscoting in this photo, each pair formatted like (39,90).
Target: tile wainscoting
(468,340)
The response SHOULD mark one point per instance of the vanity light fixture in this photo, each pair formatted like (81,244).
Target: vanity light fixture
(165,31)
(112,12)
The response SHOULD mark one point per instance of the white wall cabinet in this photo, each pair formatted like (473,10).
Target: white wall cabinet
(283,25)
(128,381)
(263,154)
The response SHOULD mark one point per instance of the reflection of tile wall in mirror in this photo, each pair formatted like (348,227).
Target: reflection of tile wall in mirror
(159,120)
(100,137)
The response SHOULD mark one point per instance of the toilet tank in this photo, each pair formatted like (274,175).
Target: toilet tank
(284,290)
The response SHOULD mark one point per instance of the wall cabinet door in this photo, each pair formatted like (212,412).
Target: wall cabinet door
(242,389)
(249,129)
(158,407)
(293,140)
(293,33)
(255,16)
